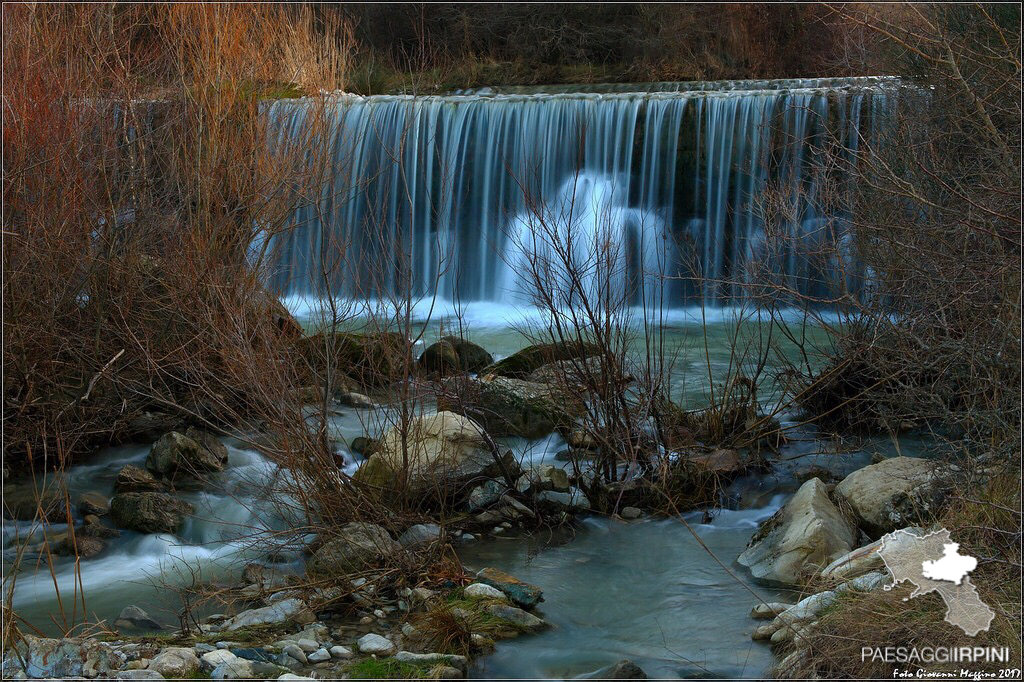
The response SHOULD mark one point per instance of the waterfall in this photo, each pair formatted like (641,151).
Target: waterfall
(709,190)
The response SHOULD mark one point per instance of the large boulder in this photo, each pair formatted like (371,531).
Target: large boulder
(291,610)
(22,502)
(175,663)
(358,546)
(185,458)
(510,407)
(523,594)
(520,365)
(440,453)
(452,354)
(38,657)
(808,533)
(149,512)
(895,493)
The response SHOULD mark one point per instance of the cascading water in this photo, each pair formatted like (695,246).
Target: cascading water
(465,196)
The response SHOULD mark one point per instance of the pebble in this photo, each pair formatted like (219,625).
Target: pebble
(295,651)
(340,652)
(319,655)
(405,592)
(308,645)
(366,620)
(379,614)
(410,631)
(375,644)
(468,537)
(630,513)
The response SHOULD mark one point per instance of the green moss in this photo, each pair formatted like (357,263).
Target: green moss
(386,669)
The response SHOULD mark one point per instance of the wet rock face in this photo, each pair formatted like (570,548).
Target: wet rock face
(149,512)
(133,479)
(523,594)
(22,502)
(520,365)
(808,533)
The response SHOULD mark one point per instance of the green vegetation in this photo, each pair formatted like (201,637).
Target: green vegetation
(386,669)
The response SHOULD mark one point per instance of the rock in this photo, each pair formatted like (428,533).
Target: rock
(807,608)
(483,590)
(423,593)
(472,357)
(358,546)
(521,364)
(175,662)
(581,375)
(266,577)
(894,493)
(22,502)
(212,659)
(317,632)
(290,676)
(445,672)
(132,479)
(419,535)
(868,582)
(253,654)
(543,477)
(859,561)
(318,656)
(517,617)
(71,657)
(354,400)
(806,473)
(139,675)
(440,358)
(375,644)
(133,617)
(485,495)
(455,661)
(307,645)
(238,669)
(294,610)
(183,459)
(340,652)
(763,632)
(445,452)
(720,462)
(510,407)
(364,446)
(768,610)
(521,593)
(83,546)
(295,651)
(93,503)
(94,528)
(572,501)
(806,534)
(149,512)
(630,513)
(623,670)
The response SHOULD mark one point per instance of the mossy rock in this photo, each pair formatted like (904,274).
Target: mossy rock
(440,358)
(375,359)
(520,365)
(510,407)
(472,357)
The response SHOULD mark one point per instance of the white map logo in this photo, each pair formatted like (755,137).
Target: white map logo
(933,563)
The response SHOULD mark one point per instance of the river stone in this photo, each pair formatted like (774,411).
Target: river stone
(362,445)
(71,657)
(23,503)
(510,407)
(139,675)
(93,503)
(543,477)
(445,451)
(292,676)
(483,590)
(175,662)
(375,644)
(472,357)
(340,652)
(807,533)
(440,358)
(294,610)
(419,535)
(630,513)
(453,660)
(572,501)
(894,493)
(516,616)
(768,610)
(357,547)
(354,400)
(485,495)
(84,546)
(212,659)
(623,670)
(183,459)
(521,593)
(133,479)
(318,656)
(132,616)
(149,512)
(520,365)
(307,645)
(859,561)
(295,651)
(238,669)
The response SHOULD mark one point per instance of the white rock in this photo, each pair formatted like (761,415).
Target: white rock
(279,612)
(295,651)
(212,659)
(889,495)
(375,644)
(420,535)
(307,645)
(459,662)
(768,610)
(481,590)
(175,662)
(319,655)
(290,676)
(238,669)
(339,651)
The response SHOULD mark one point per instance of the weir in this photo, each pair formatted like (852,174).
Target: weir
(691,193)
